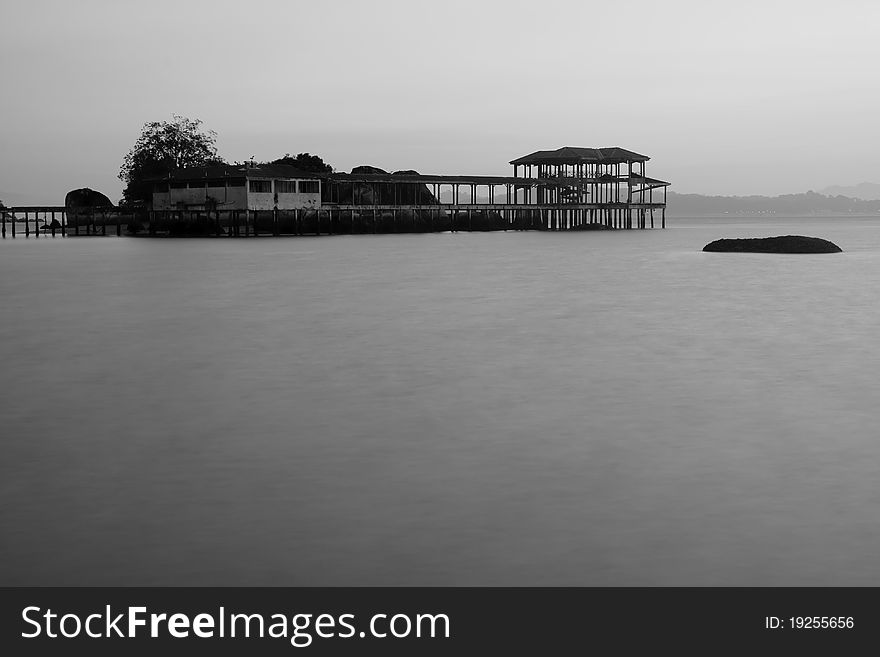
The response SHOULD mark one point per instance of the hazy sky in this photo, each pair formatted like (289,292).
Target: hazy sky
(762,97)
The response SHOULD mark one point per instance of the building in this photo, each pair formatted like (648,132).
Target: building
(564,189)
(237,187)
(609,184)
(591,175)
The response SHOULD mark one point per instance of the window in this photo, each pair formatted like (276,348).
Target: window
(217,182)
(235,182)
(309,187)
(261,186)
(178,185)
(285,187)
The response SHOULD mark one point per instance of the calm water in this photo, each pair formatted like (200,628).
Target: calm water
(469,409)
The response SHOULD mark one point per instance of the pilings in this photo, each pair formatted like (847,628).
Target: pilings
(58,221)
(337,219)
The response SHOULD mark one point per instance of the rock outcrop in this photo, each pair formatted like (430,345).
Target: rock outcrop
(414,194)
(84,211)
(781,244)
(86,198)
(379,193)
(368,170)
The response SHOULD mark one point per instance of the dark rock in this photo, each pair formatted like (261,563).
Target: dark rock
(368,169)
(353,192)
(781,244)
(84,210)
(414,194)
(379,193)
(86,198)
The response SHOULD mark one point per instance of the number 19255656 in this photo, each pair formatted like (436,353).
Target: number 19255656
(821,622)
(811,622)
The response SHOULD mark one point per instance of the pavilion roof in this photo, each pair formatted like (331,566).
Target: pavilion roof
(577,155)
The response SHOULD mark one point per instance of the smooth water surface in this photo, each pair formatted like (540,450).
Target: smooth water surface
(465,409)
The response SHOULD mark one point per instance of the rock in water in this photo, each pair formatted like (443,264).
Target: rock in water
(86,198)
(80,205)
(781,244)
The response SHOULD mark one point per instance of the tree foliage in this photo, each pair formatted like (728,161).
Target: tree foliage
(305,162)
(162,147)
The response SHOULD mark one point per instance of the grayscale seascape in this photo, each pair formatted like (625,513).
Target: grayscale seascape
(474,297)
(608,408)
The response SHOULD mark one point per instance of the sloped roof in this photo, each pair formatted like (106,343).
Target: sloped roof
(423,178)
(650,182)
(577,155)
(238,171)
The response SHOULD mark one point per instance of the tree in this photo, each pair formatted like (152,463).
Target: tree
(305,162)
(163,147)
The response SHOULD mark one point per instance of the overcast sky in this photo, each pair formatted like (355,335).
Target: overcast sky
(747,97)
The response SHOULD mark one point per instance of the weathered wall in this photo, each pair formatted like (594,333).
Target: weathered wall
(234,198)
(286,201)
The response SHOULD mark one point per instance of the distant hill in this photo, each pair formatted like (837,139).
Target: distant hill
(808,203)
(866,191)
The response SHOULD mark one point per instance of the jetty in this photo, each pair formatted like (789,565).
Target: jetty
(564,189)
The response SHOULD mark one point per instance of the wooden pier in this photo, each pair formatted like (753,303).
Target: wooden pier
(565,189)
(330,219)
